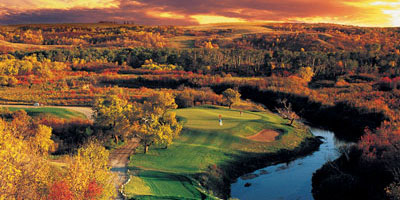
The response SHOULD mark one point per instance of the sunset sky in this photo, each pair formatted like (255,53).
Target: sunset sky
(189,12)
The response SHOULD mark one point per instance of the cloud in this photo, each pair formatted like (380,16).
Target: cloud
(179,12)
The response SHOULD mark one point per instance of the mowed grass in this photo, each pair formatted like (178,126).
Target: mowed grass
(56,112)
(203,142)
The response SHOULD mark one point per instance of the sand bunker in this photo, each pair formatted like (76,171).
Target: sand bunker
(266,135)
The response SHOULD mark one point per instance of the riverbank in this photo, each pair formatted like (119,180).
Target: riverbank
(209,157)
(245,165)
(273,181)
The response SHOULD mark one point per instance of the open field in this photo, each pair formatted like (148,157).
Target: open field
(25,47)
(168,173)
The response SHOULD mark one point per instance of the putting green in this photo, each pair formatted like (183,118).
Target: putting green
(207,119)
(169,172)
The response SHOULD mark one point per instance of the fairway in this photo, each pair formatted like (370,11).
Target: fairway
(168,173)
(56,112)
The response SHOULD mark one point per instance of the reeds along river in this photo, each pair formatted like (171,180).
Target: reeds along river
(288,180)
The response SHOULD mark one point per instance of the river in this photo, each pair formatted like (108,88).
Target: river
(287,181)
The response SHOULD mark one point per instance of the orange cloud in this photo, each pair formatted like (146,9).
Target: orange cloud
(179,12)
(58,4)
(208,19)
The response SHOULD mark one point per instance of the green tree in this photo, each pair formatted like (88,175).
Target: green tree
(231,97)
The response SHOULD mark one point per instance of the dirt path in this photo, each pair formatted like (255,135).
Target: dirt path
(119,159)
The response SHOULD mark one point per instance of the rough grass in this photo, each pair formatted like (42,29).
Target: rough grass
(56,112)
(204,143)
(24,47)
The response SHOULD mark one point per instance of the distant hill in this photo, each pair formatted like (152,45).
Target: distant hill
(267,36)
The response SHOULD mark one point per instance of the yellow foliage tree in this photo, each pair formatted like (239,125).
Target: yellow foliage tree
(111,113)
(42,139)
(306,73)
(24,174)
(90,163)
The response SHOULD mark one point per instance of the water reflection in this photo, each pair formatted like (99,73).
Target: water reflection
(288,180)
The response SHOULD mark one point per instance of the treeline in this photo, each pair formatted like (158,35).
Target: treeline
(326,37)
(239,62)
(89,35)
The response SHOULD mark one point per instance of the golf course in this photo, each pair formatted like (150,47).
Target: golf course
(62,113)
(205,149)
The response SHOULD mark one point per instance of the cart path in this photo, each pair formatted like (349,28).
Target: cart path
(119,159)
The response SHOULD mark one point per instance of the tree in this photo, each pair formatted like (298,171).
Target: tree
(159,103)
(231,97)
(159,130)
(59,190)
(24,173)
(151,122)
(111,113)
(286,112)
(93,191)
(157,124)
(306,73)
(42,139)
(88,165)
(185,98)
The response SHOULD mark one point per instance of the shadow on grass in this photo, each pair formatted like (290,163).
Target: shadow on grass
(184,182)
(118,169)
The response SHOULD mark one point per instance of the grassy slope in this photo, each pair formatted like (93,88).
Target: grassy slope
(24,47)
(238,29)
(57,112)
(203,143)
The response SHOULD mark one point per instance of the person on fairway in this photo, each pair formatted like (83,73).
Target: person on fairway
(220,120)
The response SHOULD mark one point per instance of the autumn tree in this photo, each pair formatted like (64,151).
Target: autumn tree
(306,73)
(157,124)
(24,173)
(42,140)
(111,113)
(89,174)
(286,112)
(60,190)
(93,191)
(151,122)
(231,97)
(185,99)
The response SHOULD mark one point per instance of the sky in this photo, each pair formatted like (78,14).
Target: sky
(191,12)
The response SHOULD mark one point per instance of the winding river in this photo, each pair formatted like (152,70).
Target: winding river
(288,180)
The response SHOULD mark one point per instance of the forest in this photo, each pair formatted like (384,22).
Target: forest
(133,76)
